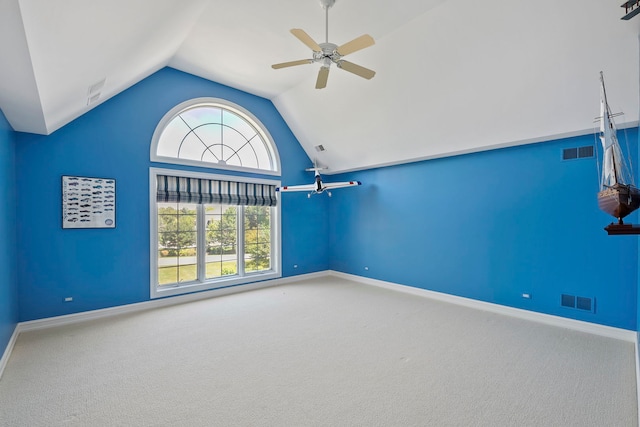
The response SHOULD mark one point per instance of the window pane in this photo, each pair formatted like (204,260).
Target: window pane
(177,243)
(236,122)
(187,243)
(257,257)
(262,153)
(187,273)
(221,229)
(167,275)
(193,146)
(212,133)
(201,114)
(248,155)
(224,265)
(210,139)
(171,137)
(234,143)
(257,235)
(264,236)
(221,258)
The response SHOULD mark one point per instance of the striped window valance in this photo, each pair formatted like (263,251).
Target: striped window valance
(199,190)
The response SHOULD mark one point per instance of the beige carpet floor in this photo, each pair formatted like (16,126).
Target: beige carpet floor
(322,352)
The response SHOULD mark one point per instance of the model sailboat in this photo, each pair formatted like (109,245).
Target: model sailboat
(618,196)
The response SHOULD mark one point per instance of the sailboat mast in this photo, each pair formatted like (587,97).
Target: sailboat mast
(608,137)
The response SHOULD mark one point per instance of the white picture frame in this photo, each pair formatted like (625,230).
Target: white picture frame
(88,202)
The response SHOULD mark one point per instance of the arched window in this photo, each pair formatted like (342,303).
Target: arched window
(210,230)
(214,133)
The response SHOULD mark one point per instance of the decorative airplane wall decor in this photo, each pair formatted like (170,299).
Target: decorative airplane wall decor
(318,186)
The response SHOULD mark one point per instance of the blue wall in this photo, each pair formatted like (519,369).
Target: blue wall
(109,267)
(491,226)
(8,281)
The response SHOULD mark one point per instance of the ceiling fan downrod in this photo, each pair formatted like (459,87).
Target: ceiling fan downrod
(326,5)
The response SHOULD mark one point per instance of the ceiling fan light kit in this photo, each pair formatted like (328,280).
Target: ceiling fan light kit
(329,53)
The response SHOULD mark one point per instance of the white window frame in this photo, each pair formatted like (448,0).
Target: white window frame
(216,283)
(221,103)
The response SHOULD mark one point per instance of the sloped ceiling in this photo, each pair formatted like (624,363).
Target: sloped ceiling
(452,76)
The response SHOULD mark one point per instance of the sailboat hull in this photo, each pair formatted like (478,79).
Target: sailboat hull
(619,200)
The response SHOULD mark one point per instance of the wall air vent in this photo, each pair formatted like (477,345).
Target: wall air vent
(583,303)
(577,152)
(579,303)
(568,301)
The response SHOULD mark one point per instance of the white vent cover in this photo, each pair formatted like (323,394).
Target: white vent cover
(96,87)
(93,99)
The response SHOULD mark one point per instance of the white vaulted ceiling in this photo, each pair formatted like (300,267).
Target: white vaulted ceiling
(452,76)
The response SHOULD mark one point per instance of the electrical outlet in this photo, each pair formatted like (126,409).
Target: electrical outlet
(68,299)
(526,296)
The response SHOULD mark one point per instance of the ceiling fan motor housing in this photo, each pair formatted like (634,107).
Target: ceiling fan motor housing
(329,51)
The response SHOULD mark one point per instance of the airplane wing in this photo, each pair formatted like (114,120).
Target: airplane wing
(332,185)
(308,187)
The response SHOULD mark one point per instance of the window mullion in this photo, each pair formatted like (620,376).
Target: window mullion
(240,231)
(200,242)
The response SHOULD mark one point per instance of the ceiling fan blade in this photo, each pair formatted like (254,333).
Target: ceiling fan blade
(292,63)
(323,75)
(306,39)
(356,69)
(355,45)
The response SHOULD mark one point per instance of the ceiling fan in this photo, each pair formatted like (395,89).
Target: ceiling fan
(328,53)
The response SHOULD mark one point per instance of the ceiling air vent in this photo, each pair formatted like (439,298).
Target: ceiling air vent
(96,87)
(319,148)
(93,93)
(577,152)
(93,99)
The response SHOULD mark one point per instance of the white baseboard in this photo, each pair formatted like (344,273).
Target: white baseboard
(157,303)
(607,331)
(578,325)
(563,322)
(145,305)
(8,350)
